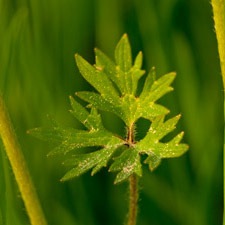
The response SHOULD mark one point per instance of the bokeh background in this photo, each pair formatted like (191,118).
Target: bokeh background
(38,40)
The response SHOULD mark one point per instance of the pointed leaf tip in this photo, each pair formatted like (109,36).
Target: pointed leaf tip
(125,35)
(123,54)
(138,60)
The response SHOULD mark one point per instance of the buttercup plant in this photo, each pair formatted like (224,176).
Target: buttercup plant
(116,85)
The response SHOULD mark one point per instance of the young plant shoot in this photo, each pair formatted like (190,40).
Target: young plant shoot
(116,92)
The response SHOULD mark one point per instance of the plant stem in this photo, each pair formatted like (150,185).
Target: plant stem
(130,134)
(133,200)
(219,19)
(133,185)
(20,169)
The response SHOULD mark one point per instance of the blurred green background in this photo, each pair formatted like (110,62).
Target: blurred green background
(38,40)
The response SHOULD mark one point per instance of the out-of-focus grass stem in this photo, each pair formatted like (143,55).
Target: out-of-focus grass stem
(20,169)
(219,19)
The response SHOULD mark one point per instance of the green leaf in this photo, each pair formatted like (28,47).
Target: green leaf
(97,79)
(71,139)
(160,87)
(84,162)
(79,112)
(151,111)
(153,161)
(99,102)
(148,83)
(116,86)
(124,77)
(123,54)
(82,139)
(55,134)
(106,65)
(127,163)
(157,150)
(138,61)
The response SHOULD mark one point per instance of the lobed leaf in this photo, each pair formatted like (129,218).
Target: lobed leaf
(127,163)
(97,79)
(160,87)
(71,139)
(153,161)
(99,102)
(157,150)
(83,162)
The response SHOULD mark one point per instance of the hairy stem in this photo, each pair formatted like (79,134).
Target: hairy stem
(20,169)
(219,19)
(130,134)
(133,200)
(133,185)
